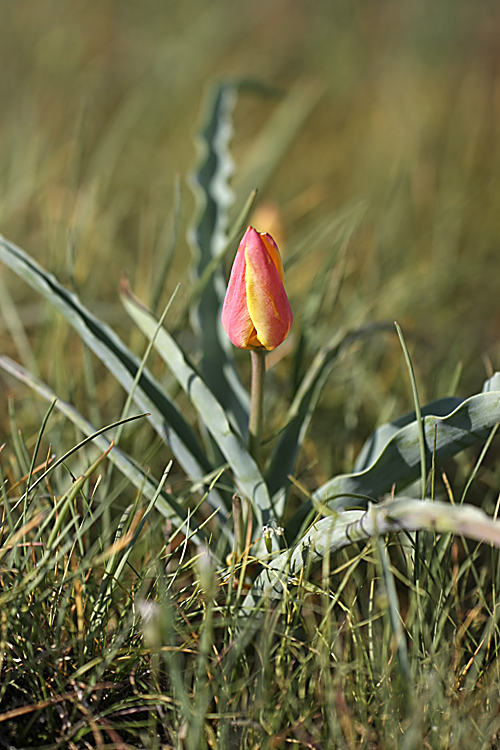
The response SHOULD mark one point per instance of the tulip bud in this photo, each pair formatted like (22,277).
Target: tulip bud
(256,312)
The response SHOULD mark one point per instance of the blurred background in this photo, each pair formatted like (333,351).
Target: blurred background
(397,113)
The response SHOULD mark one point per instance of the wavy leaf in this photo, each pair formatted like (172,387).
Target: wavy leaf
(396,462)
(376,443)
(208,239)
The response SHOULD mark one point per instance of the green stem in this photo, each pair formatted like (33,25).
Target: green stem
(257,402)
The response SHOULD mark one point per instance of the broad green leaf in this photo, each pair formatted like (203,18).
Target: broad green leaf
(246,472)
(148,486)
(492,384)
(398,462)
(376,443)
(346,527)
(121,362)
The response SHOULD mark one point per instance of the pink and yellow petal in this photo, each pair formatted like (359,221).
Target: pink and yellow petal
(273,251)
(266,298)
(256,311)
(235,316)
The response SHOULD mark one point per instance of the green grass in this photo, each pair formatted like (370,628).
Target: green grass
(375,150)
(144,643)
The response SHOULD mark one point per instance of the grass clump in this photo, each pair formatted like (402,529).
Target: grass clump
(146,643)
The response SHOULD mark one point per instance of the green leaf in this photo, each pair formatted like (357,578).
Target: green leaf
(397,462)
(246,472)
(376,443)
(121,362)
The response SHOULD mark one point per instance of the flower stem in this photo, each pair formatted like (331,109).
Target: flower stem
(257,403)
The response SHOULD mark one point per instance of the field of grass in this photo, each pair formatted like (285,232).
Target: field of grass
(139,606)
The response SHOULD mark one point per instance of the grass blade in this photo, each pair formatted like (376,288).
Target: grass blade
(276,137)
(418,413)
(166,503)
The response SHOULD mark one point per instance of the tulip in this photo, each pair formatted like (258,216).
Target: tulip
(256,312)
(256,315)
